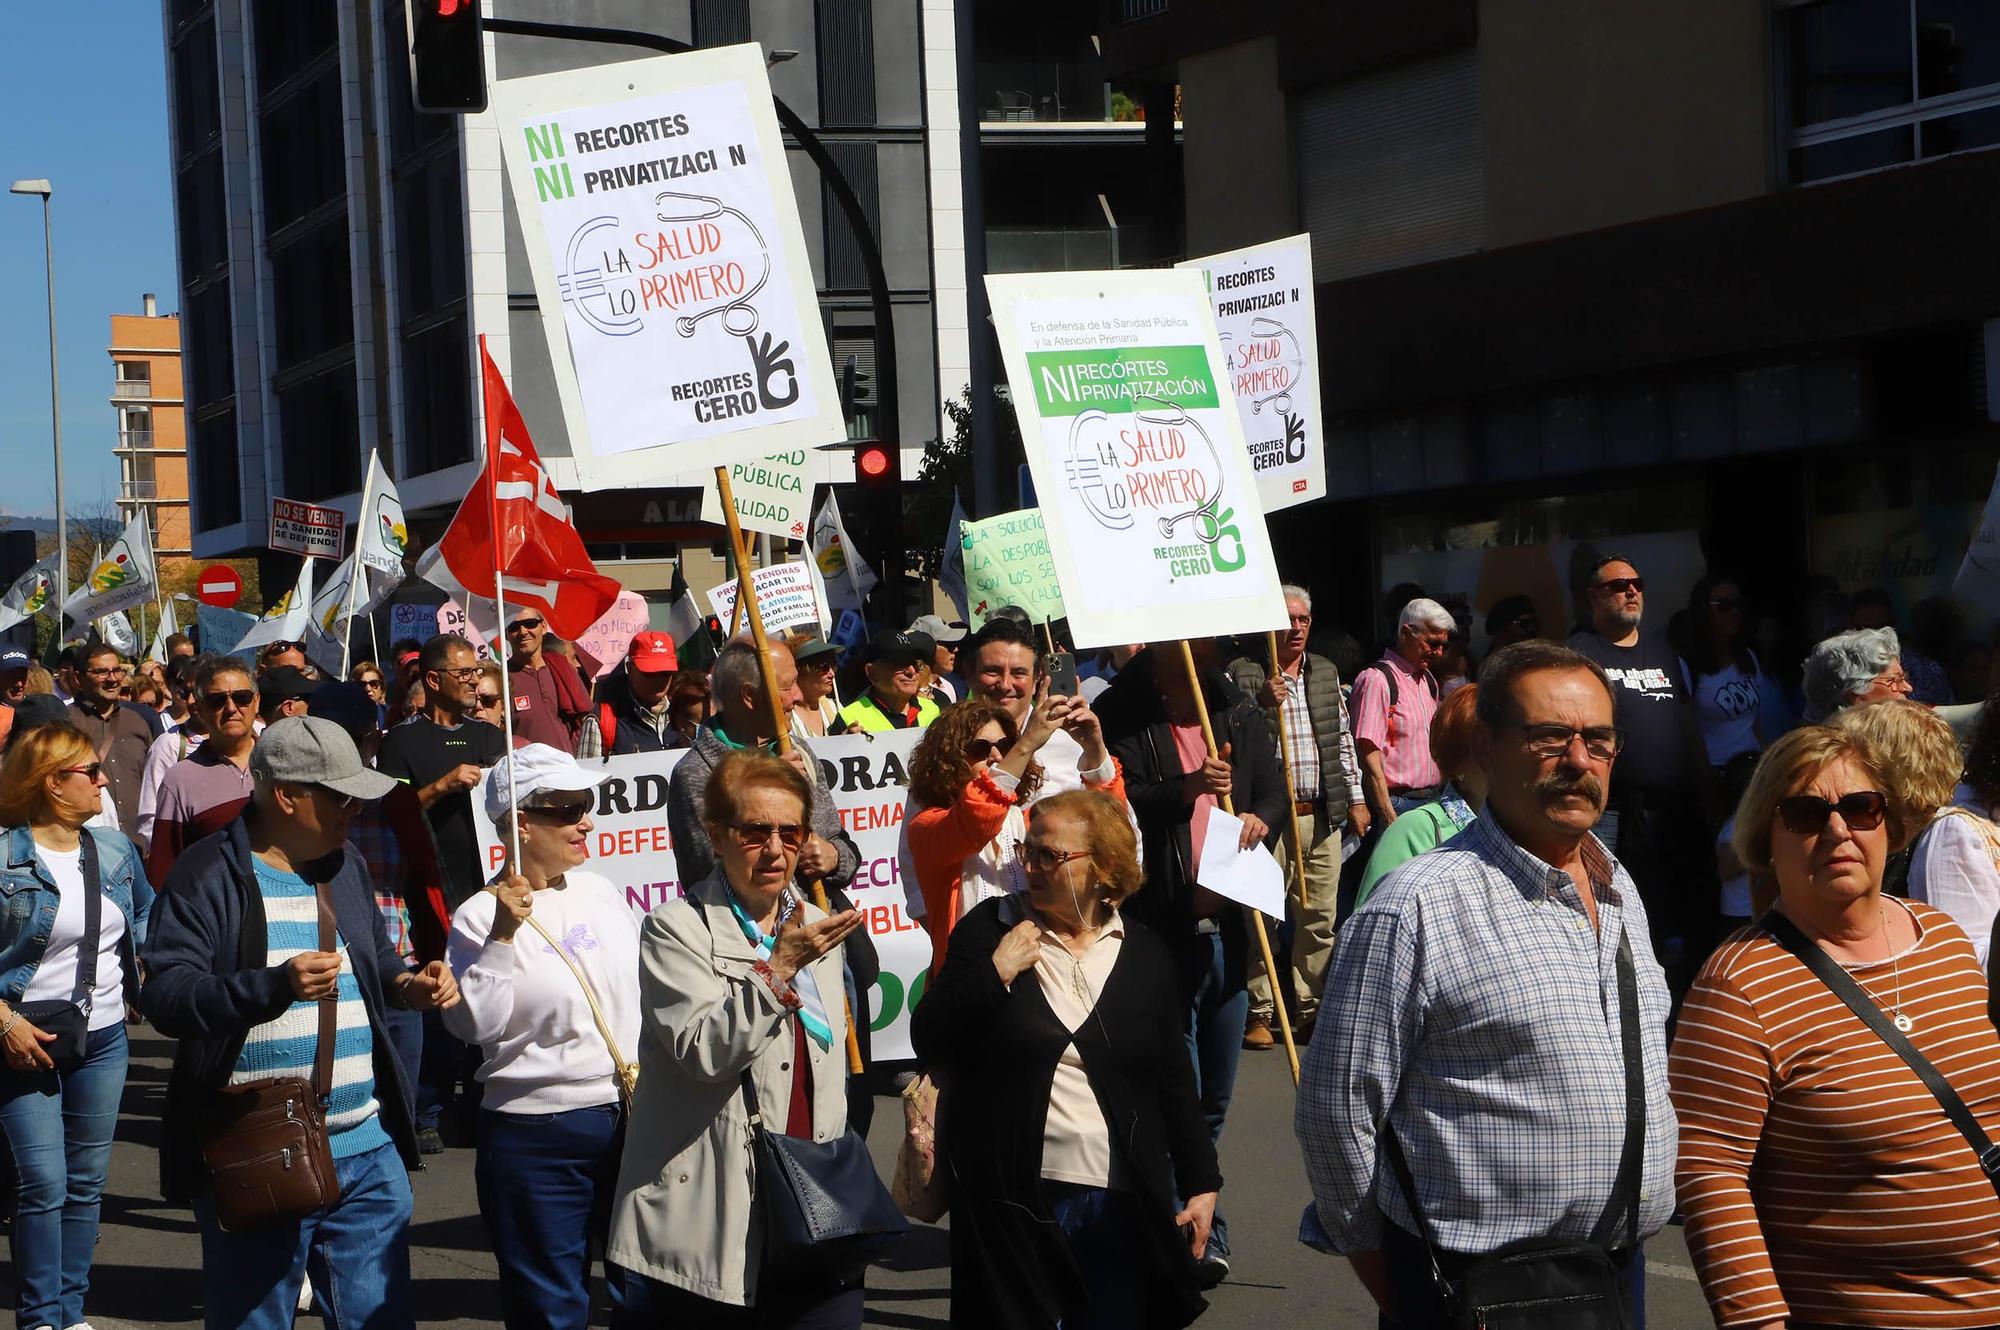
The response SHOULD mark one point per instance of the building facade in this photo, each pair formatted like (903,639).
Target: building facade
(341,252)
(151,447)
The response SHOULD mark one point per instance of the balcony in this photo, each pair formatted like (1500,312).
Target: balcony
(1131,11)
(1071,93)
(132,388)
(134,440)
(139,491)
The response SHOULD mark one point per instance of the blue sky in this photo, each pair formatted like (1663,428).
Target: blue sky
(86,96)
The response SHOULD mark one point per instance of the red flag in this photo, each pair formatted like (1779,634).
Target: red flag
(539,554)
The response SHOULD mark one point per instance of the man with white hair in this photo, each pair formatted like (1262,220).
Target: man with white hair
(1854,669)
(1393,702)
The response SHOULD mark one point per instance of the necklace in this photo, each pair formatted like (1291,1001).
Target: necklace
(1902,1022)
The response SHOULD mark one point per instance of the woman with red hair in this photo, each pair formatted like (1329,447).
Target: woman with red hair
(1464,794)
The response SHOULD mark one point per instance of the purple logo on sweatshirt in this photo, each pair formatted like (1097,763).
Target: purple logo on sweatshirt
(576,939)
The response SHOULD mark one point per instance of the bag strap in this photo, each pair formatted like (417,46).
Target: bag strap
(1388,677)
(329,1008)
(93,920)
(1830,973)
(618,1062)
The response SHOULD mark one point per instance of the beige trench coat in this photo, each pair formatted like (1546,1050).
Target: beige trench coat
(685,1213)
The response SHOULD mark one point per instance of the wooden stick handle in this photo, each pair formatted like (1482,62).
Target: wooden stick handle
(1256,919)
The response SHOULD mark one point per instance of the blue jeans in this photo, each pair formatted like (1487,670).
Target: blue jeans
(445,1061)
(357,1252)
(406,1040)
(58,1133)
(1102,1229)
(1213,977)
(545,1182)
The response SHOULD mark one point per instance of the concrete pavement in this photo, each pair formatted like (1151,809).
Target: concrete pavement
(149,1257)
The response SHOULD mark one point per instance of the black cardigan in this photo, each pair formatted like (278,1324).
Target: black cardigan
(994,1049)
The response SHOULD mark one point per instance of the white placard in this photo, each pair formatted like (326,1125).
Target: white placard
(1249,877)
(772,493)
(1137,455)
(785,598)
(656,204)
(1263,301)
(629,844)
(307,529)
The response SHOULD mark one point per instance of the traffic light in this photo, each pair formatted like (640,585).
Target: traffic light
(854,397)
(876,466)
(447,55)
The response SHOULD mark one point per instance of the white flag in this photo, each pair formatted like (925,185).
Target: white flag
(31,593)
(119,578)
(381,540)
(168,627)
(951,572)
(116,630)
(288,619)
(325,636)
(846,574)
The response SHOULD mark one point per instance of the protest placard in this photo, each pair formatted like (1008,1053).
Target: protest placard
(1137,455)
(867,774)
(308,529)
(656,204)
(1263,301)
(785,597)
(220,630)
(773,493)
(610,637)
(415,623)
(1007,562)
(452,618)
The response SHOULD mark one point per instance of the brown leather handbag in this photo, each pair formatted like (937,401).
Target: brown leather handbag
(266,1146)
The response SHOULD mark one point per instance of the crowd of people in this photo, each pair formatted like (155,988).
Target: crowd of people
(1578,936)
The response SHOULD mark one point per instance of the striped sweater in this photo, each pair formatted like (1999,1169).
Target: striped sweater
(1820,1179)
(286,1046)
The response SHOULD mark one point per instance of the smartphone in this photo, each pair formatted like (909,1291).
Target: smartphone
(1061,669)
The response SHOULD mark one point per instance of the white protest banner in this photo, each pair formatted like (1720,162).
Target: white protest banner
(1978,578)
(220,630)
(784,597)
(308,529)
(1137,455)
(655,198)
(1007,562)
(452,618)
(611,636)
(867,774)
(772,493)
(1263,300)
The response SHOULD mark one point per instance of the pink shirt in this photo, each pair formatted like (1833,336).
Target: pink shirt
(1402,733)
(1193,750)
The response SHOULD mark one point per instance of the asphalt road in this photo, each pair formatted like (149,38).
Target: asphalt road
(149,1256)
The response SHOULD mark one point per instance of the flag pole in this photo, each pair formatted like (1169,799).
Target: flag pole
(1291,781)
(499,608)
(746,601)
(1256,919)
(355,574)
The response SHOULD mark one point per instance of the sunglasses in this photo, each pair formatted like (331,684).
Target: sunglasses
(241,698)
(93,771)
(1618,586)
(1806,814)
(756,835)
(566,813)
(372,685)
(1044,860)
(1726,604)
(523,623)
(977,749)
(489,699)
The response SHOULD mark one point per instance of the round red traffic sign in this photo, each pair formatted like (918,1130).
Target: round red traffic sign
(218,585)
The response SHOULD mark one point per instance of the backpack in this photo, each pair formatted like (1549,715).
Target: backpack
(1389,677)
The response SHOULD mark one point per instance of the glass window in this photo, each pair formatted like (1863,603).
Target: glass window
(1958,46)
(197,108)
(310,298)
(218,502)
(290,35)
(720,22)
(437,397)
(1849,57)
(1863,152)
(1959,133)
(303,152)
(321,442)
(210,368)
(847,62)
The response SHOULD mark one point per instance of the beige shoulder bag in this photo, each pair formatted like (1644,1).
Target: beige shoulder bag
(628,1072)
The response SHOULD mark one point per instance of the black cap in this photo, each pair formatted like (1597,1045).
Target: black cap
(345,704)
(36,710)
(284,683)
(900,649)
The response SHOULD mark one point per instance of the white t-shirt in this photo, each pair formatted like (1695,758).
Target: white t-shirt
(522,1005)
(1725,705)
(168,749)
(1952,866)
(1735,890)
(55,978)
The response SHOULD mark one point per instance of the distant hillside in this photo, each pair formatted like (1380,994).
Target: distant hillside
(46,526)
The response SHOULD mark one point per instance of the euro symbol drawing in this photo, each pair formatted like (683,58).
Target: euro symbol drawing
(739,316)
(583,287)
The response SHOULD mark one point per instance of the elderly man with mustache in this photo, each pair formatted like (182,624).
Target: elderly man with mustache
(1499,1074)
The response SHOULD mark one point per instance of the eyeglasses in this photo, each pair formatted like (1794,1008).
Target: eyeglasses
(241,698)
(464,673)
(372,685)
(115,672)
(94,770)
(1602,742)
(489,699)
(1806,814)
(524,623)
(1044,860)
(977,749)
(1899,681)
(1618,586)
(756,835)
(914,667)
(1726,604)
(566,813)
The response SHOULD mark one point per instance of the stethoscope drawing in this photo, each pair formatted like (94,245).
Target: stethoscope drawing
(739,316)
(1263,327)
(1207,527)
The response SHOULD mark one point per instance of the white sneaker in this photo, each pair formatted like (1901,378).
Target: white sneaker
(80,1325)
(305,1293)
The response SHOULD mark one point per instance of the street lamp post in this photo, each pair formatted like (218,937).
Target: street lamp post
(45,190)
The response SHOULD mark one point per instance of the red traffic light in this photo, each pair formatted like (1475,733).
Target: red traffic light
(873,462)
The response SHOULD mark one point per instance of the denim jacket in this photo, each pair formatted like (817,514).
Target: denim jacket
(28,900)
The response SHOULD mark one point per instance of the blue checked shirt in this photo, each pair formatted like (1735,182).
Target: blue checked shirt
(1479,1017)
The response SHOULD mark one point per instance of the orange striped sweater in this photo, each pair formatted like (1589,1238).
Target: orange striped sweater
(1821,1181)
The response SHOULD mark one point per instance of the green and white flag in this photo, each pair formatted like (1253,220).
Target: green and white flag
(167,628)
(116,630)
(32,592)
(381,540)
(288,618)
(119,578)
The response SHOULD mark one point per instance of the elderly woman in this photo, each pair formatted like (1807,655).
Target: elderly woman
(547,961)
(1950,860)
(1806,1144)
(1069,1119)
(1853,669)
(76,900)
(489,701)
(739,984)
(1430,825)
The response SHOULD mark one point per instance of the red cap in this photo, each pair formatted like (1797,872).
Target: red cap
(652,653)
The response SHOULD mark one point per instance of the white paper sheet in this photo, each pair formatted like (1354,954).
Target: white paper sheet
(1251,877)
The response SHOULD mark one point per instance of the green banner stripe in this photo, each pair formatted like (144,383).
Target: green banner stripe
(1068,383)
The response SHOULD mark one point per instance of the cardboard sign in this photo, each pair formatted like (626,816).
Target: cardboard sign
(629,844)
(773,493)
(785,598)
(1007,562)
(655,199)
(611,636)
(305,528)
(1137,453)
(1263,300)
(452,618)
(220,629)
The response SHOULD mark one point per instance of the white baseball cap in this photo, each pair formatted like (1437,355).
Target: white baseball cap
(536,769)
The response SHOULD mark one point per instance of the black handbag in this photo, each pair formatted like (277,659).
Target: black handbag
(825,1208)
(1842,983)
(1552,1283)
(68,1019)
